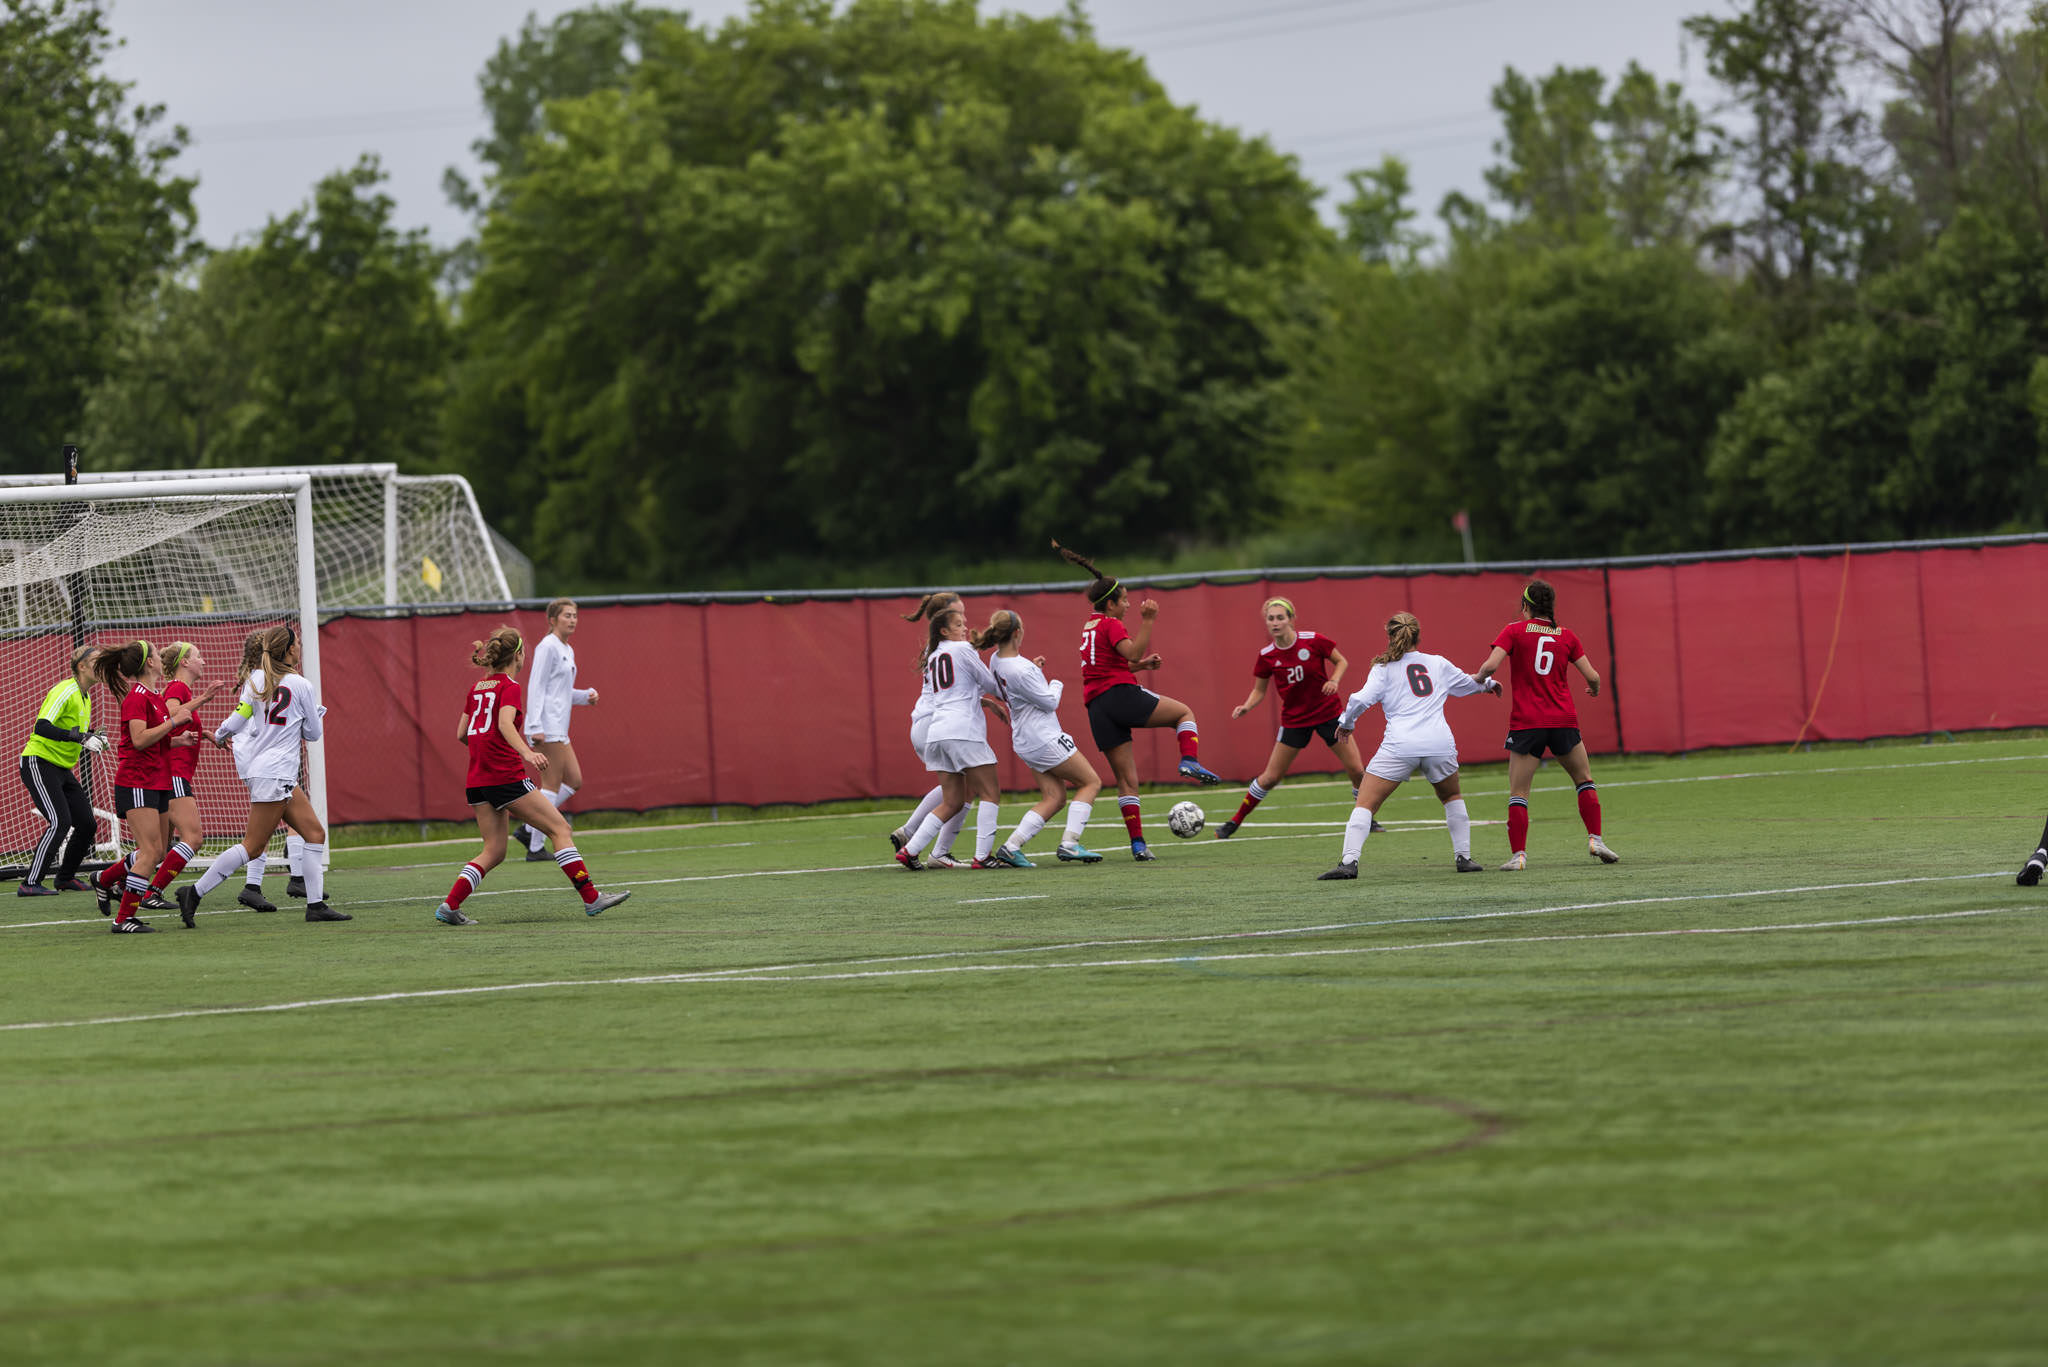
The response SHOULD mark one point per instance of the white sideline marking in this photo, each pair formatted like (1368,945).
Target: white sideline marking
(694,979)
(1028,897)
(1169,798)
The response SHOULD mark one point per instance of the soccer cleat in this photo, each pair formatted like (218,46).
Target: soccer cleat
(1518,861)
(898,838)
(538,856)
(103,895)
(910,861)
(989,863)
(252,897)
(73,885)
(2030,876)
(1192,768)
(155,901)
(295,886)
(605,900)
(1340,873)
(523,834)
(1468,865)
(1226,830)
(1378,829)
(450,916)
(945,861)
(1014,858)
(188,904)
(134,925)
(1142,852)
(1597,847)
(1077,854)
(34,890)
(320,911)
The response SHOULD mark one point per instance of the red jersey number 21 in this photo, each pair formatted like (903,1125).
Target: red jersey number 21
(480,713)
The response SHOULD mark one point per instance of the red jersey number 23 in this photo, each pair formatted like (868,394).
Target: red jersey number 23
(480,713)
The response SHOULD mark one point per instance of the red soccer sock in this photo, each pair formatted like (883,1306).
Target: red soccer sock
(579,876)
(132,892)
(1589,808)
(1133,823)
(466,882)
(1518,825)
(1190,744)
(110,877)
(174,862)
(1245,809)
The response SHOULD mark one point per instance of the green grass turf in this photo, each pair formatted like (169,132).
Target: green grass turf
(1205,1110)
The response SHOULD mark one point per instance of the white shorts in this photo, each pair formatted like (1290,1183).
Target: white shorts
(918,731)
(1044,759)
(536,738)
(270,789)
(957,756)
(1395,767)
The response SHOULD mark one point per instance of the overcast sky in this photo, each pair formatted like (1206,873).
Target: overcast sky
(277,93)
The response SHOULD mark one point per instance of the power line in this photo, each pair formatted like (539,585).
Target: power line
(1341,21)
(1241,17)
(1381,130)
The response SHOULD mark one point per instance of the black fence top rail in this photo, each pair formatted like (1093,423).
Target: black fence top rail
(1221,576)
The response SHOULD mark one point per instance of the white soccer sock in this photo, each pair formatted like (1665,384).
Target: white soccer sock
(926,832)
(1460,822)
(986,815)
(223,866)
(950,832)
(1077,821)
(295,855)
(1027,829)
(1355,832)
(560,794)
(254,877)
(924,809)
(316,872)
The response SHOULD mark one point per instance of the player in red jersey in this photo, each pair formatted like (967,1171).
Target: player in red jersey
(187,670)
(1543,717)
(142,779)
(498,756)
(1110,657)
(1309,667)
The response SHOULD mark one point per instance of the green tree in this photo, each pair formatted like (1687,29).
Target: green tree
(323,341)
(89,214)
(891,275)
(1377,215)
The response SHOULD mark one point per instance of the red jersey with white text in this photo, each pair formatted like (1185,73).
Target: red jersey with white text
(1300,670)
(140,768)
(1103,667)
(492,760)
(1538,652)
(182,760)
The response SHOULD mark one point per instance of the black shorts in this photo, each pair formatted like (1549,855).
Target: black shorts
(1114,714)
(1297,737)
(1559,740)
(127,800)
(500,795)
(181,787)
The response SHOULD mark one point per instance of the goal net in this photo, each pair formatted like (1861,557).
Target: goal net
(104,563)
(379,537)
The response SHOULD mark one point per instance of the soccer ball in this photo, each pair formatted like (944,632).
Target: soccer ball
(1186,820)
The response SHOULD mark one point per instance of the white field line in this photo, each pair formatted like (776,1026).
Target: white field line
(1302,786)
(1027,897)
(704,981)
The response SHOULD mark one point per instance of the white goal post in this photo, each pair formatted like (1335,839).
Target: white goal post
(103,562)
(380,537)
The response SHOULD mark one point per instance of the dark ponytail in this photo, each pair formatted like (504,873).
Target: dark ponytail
(1540,598)
(1103,588)
(935,633)
(116,663)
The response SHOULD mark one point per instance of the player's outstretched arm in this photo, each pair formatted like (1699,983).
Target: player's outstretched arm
(1253,699)
(1492,666)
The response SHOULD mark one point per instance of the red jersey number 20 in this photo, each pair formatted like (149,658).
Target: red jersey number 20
(481,706)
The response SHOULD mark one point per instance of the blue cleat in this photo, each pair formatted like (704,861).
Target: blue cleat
(1142,852)
(1014,858)
(1192,768)
(1080,854)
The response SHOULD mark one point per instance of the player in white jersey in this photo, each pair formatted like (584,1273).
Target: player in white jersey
(930,606)
(956,742)
(1411,688)
(1037,739)
(278,710)
(551,693)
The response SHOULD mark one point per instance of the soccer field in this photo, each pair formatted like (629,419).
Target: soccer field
(1769,1090)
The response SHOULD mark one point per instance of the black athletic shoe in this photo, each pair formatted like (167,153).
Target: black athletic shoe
(1342,871)
(522,833)
(103,895)
(295,886)
(2030,876)
(155,902)
(1378,829)
(1226,830)
(897,840)
(134,925)
(73,885)
(538,856)
(320,911)
(1470,865)
(188,904)
(252,897)
(34,890)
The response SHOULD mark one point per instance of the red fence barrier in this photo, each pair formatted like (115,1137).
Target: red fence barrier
(806,701)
